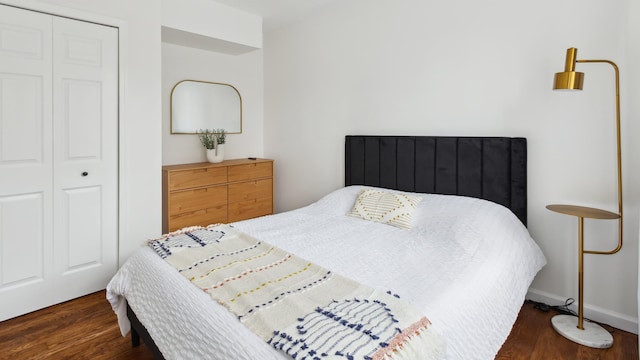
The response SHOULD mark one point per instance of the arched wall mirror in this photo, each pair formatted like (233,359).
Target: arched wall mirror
(199,105)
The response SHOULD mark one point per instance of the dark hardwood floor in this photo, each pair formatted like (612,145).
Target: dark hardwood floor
(86,328)
(533,337)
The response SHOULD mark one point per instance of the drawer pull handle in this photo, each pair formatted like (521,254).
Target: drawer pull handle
(85,173)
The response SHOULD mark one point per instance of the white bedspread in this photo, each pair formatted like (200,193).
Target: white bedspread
(466,263)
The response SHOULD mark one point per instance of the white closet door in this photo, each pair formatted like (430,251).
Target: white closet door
(26,195)
(85,133)
(58,119)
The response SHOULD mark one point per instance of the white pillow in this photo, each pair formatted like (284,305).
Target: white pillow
(390,208)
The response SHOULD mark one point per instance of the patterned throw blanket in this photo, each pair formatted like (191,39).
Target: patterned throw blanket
(296,306)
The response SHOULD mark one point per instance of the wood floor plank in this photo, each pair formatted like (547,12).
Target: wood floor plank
(86,328)
(533,337)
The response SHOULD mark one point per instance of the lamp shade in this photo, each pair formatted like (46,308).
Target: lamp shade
(569,79)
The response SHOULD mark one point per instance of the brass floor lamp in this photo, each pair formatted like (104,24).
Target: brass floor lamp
(587,333)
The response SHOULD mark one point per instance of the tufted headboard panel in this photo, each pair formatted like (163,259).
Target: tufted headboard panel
(491,168)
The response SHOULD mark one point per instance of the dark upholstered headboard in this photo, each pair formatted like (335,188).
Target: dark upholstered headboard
(491,168)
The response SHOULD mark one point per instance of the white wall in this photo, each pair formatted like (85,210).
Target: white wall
(470,68)
(214,21)
(244,72)
(140,128)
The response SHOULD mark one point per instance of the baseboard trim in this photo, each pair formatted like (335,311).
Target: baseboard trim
(611,318)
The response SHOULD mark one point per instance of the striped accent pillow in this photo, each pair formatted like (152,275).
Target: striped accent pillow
(385,207)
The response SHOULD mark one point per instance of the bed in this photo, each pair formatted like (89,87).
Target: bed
(466,261)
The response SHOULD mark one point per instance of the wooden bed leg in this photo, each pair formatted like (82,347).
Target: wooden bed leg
(135,338)
(138,332)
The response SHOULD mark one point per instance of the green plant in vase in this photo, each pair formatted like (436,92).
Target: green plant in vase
(213,141)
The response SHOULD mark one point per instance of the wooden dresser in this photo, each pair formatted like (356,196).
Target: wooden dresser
(206,193)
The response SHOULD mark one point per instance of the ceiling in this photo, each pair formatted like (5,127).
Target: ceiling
(276,13)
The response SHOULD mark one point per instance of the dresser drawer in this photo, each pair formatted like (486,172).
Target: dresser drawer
(250,171)
(250,199)
(250,190)
(197,199)
(192,178)
(204,217)
(250,209)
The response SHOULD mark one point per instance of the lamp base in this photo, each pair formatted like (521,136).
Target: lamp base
(593,335)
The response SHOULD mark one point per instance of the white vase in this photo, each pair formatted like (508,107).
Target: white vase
(216,155)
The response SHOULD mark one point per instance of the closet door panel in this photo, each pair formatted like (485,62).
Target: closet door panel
(85,101)
(82,120)
(85,87)
(26,191)
(82,232)
(21,92)
(26,38)
(25,102)
(16,240)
